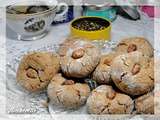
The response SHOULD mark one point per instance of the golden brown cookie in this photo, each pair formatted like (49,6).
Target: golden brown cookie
(67,93)
(80,59)
(135,44)
(145,104)
(37,69)
(133,73)
(104,100)
(102,73)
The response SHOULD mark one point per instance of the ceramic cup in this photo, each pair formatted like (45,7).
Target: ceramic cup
(33,26)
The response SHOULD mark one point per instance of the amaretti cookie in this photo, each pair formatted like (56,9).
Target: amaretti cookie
(133,73)
(80,59)
(102,73)
(67,93)
(36,69)
(104,100)
(66,45)
(145,104)
(135,44)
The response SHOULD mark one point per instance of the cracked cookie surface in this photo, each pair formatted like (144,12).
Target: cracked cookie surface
(145,104)
(37,69)
(67,93)
(104,100)
(133,73)
(80,59)
(135,44)
(102,73)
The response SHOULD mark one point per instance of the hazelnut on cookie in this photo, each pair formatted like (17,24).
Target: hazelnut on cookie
(133,73)
(135,44)
(80,59)
(102,73)
(37,69)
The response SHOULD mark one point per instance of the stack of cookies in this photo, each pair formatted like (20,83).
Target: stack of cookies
(124,78)
(130,70)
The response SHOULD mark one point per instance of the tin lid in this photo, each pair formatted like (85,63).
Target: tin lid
(97,4)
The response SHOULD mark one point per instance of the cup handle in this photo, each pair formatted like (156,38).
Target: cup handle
(60,13)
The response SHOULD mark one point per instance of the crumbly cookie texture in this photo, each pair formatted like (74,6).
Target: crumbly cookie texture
(135,44)
(102,73)
(68,43)
(133,73)
(145,104)
(104,100)
(36,69)
(67,93)
(80,59)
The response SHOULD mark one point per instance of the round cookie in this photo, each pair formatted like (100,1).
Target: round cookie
(145,104)
(133,73)
(37,69)
(135,44)
(80,59)
(102,73)
(104,100)
(66,93)
(68,43)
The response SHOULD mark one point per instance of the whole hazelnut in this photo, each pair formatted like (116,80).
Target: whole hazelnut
(78,53)
(131,48)
(136,68)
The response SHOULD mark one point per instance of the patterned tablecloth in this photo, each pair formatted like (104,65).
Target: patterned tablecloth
(16,100)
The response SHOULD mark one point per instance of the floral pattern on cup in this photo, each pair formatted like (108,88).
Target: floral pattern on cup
(31,25)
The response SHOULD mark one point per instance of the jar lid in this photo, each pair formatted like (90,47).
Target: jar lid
(99,3)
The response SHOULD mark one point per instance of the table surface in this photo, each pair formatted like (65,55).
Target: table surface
(121,28)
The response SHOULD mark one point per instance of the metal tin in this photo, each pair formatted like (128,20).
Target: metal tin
(103,35)
(107,13)
(102,8)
